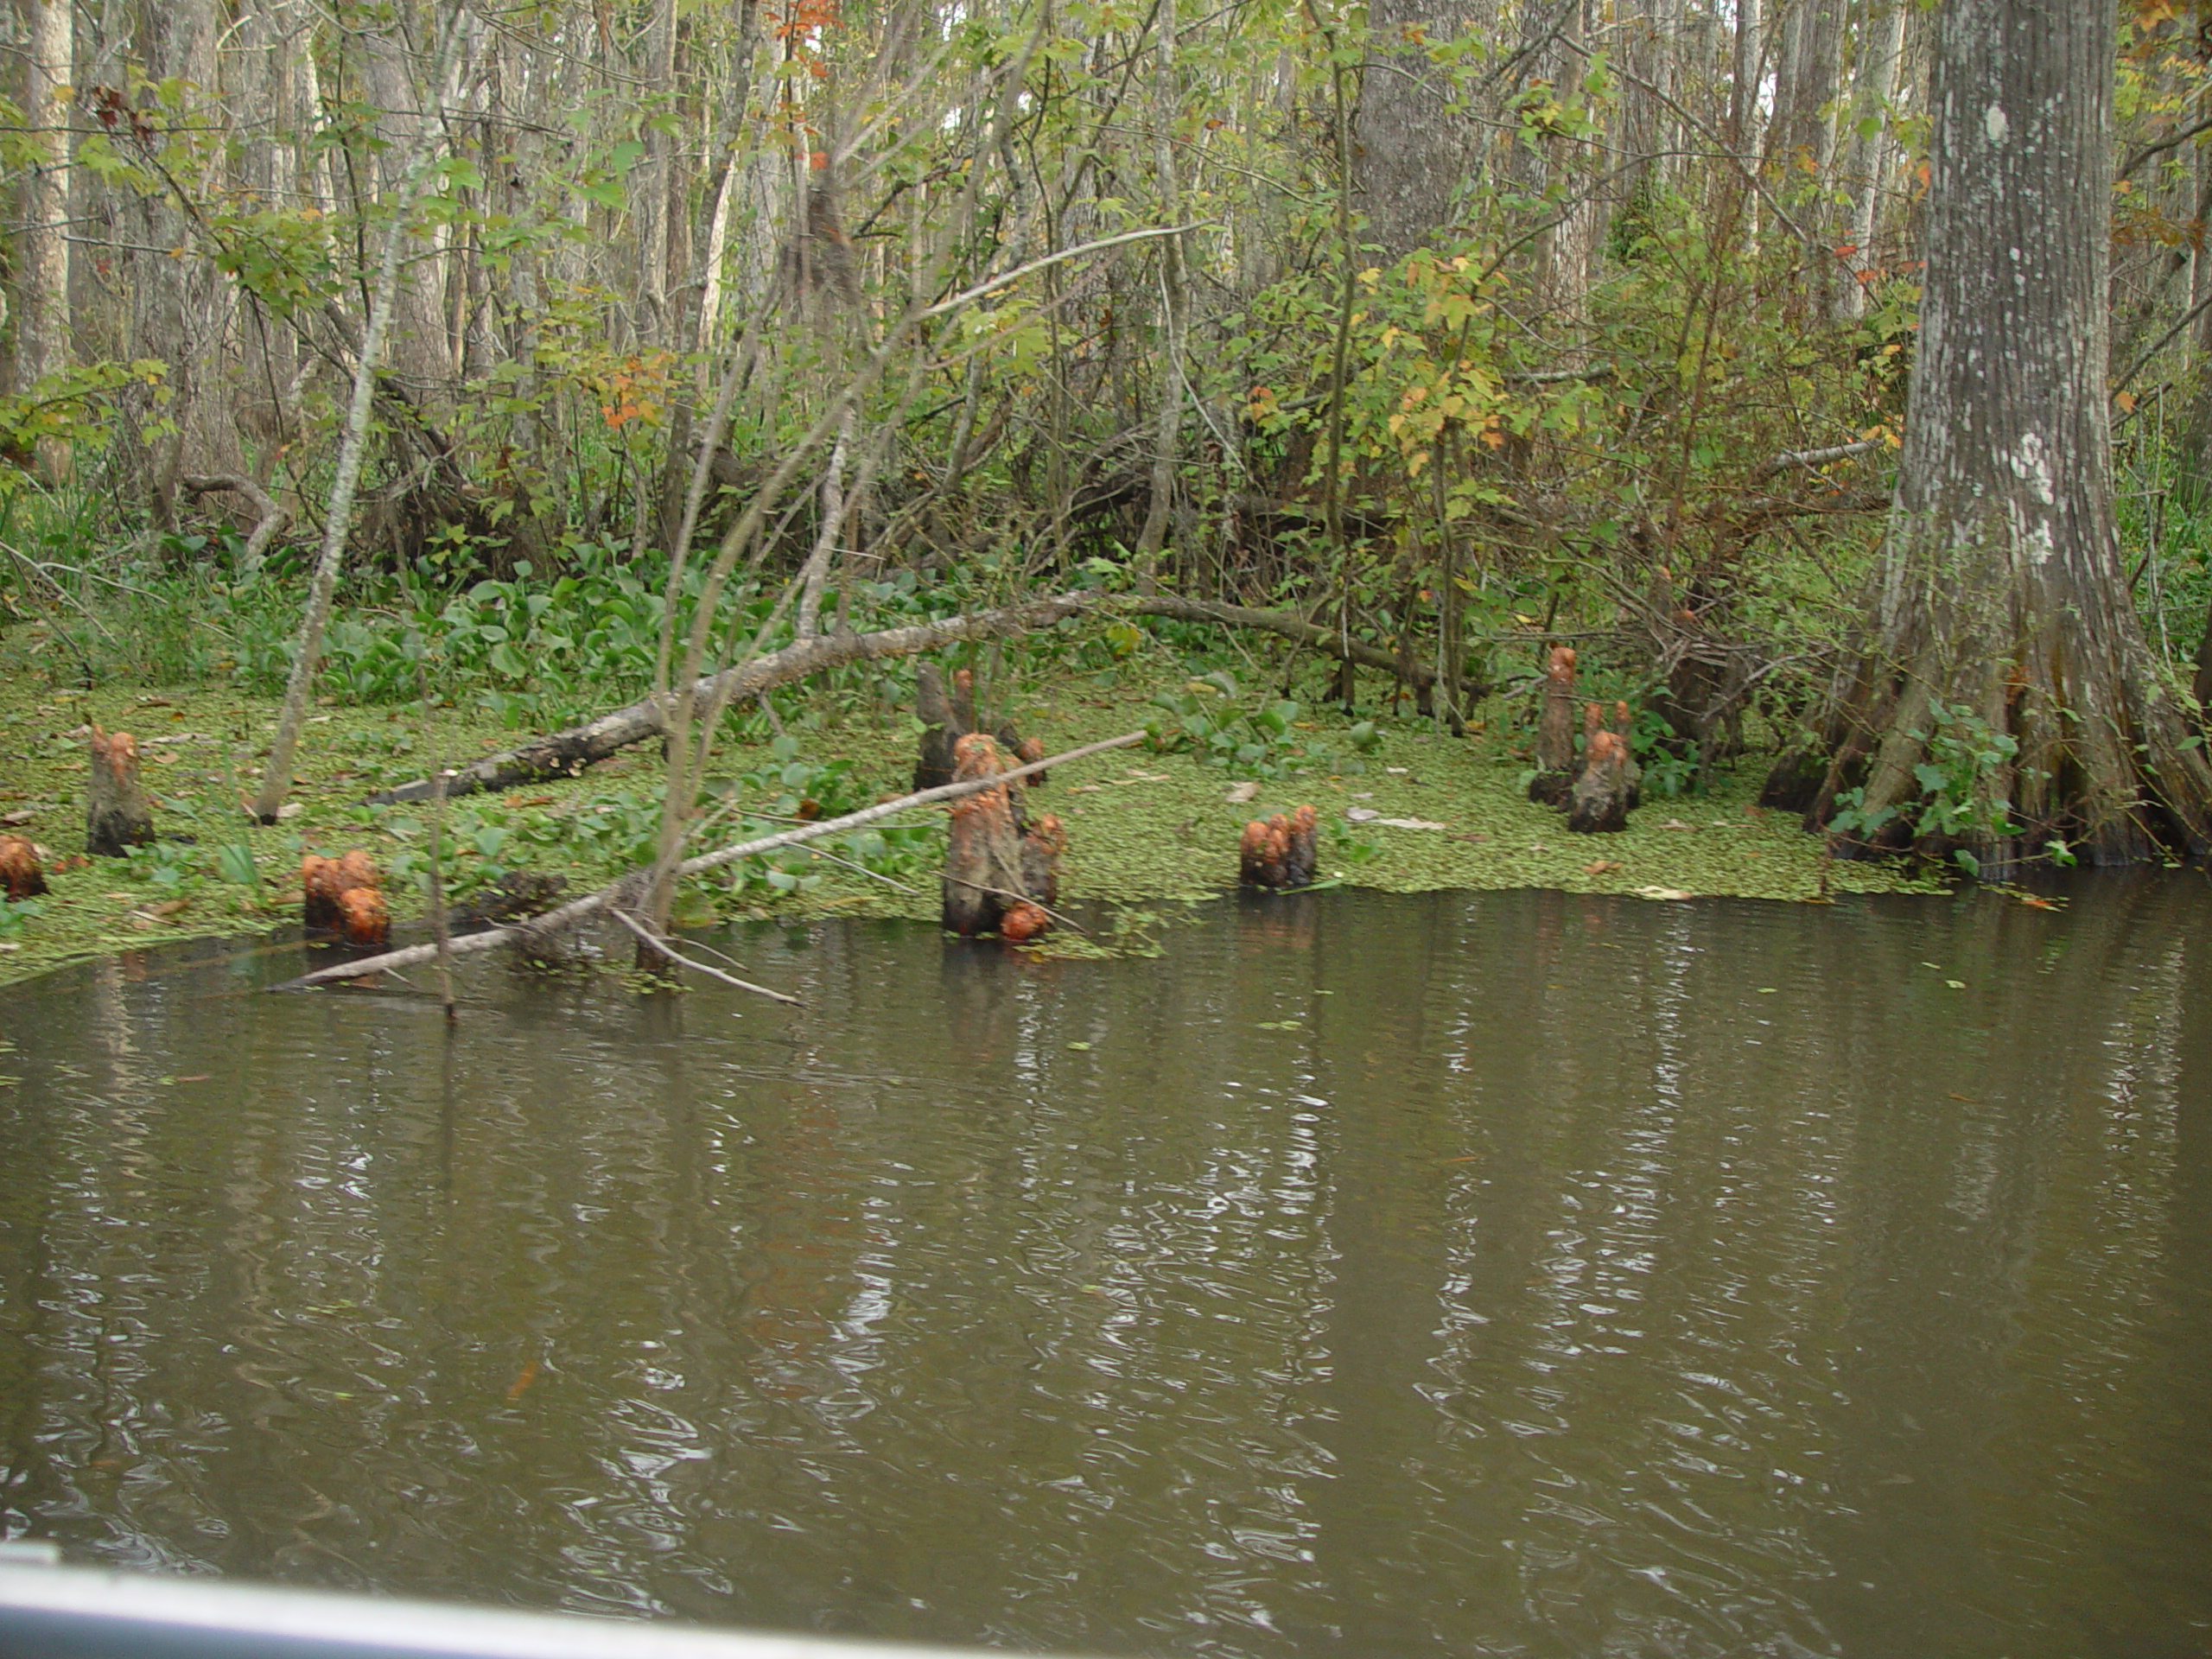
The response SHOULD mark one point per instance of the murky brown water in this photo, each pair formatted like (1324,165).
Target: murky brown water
(1510,1274)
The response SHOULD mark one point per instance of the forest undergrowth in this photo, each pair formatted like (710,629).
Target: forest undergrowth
(426,670)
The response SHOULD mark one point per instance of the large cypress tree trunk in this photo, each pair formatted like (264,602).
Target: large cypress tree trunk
(2000,597)
(1410,153)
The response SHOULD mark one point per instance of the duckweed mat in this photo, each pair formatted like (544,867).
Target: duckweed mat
(1421,812)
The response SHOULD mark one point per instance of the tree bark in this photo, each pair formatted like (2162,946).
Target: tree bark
(1881,45)
(44,288)
(2000,608)
(276,781)
(1410,157)
(1174,296)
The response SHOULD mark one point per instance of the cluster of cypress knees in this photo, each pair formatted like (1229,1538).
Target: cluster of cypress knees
(342,897)
(1599,793)
(118,815)
(1001,865)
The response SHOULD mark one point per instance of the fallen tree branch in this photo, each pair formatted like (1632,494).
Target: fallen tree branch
(273,519)
(1293,626)
(1748,515)
(1809,458)
(563,754)
(661,946)
(591,903)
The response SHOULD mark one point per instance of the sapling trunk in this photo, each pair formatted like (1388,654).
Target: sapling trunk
(276,781)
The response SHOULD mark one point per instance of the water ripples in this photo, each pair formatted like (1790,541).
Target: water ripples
(1516,1274)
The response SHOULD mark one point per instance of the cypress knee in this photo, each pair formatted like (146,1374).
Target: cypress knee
(933,768)
(21,875)
(363,919)
(319,889)
(344,895)
(984,852)
(1027,750)
(1041,846)
(1631,773)
(1023,922)
(1305,848)
(1280,853)
(1599,803)
(1555,732)
(964,701)
(117,812)
(1252,857)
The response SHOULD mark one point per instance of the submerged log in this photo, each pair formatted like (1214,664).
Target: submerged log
(1281,852)
(117,812)
(515,894)
(1555,776)
(22,876)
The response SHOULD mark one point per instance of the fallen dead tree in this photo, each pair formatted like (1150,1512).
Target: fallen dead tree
(563,754)
(626,891)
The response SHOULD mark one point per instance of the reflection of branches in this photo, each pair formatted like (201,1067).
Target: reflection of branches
(659,942)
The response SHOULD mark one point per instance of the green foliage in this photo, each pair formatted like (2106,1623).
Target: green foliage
(75,407)
(1672,767)
(615,830)
(1957,801)
(1207,719)
(1348,849)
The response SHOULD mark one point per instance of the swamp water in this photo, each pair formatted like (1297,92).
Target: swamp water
(1512,1273)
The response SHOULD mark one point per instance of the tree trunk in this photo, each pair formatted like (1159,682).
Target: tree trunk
(1174,297)
(1410,156)
(45,281)
(2007,697)
(1881,45)
(413,169)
